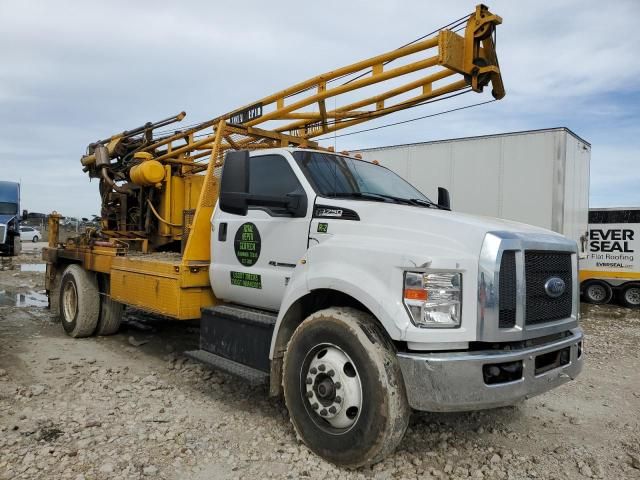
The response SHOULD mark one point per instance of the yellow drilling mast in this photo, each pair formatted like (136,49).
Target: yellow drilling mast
(159,190)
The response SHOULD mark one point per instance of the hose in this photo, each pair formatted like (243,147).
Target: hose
(160,218)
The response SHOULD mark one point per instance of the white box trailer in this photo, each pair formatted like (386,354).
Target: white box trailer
(539,177)
(611,269)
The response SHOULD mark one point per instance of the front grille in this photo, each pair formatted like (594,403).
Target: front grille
(507,290)
(539,266)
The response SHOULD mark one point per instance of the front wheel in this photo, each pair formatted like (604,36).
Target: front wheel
(35,239)
(344,388)
(630,295)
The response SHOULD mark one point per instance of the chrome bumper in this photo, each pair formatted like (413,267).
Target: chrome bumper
(454,381)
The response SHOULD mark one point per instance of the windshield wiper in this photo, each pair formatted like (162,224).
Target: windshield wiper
(426,203)
(367,196)
(407,201)
(382,197)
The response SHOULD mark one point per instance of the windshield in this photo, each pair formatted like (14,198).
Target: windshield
(337,176)
(8,208)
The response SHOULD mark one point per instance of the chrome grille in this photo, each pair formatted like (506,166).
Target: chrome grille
(513,270)
(507,293)
(539,266)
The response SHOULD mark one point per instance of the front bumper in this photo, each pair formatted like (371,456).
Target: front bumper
(454,381)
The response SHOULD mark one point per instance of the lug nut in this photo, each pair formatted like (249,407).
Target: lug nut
(322,368)
(332,409)
(315,406)
(309,380)
(338,399)
(338,385)
(331,373)
(313,371)
(309,394)
(323,412)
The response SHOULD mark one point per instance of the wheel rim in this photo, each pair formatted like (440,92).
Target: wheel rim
(632,295)
(69,301)
(596,293)
(331,388)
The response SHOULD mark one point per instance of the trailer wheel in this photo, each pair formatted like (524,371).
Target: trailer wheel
(79,301)
(110,316)
(344,388)
(597,292)
(630,295)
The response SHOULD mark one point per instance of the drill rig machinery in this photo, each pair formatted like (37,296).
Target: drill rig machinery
(151,184)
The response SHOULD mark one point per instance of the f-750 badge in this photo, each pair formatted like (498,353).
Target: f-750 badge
(328,212)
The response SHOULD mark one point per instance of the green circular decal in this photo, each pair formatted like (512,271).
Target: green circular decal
(247,244)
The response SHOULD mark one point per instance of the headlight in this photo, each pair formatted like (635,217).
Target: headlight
(434,300)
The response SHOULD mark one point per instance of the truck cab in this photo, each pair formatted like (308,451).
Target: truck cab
(9,218)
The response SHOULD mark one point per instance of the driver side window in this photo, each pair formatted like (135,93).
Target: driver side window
(271,175)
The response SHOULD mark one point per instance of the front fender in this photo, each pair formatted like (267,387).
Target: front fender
(331,266)
(371,271)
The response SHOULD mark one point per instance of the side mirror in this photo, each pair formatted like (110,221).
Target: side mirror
(297,205)
(234,183)
(444,199)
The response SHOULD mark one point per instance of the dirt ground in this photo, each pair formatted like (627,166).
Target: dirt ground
(132,406)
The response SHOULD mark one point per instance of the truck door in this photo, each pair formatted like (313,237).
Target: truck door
(253,256)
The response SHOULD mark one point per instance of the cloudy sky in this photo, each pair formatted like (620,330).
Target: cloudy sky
(75,71)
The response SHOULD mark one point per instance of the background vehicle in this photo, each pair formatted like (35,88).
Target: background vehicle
(328,278)
(9,218)
(29,234)
(538,177)
(611,269)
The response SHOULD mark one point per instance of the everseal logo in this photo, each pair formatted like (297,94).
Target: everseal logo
(554,287)
(247,244)
(611,240)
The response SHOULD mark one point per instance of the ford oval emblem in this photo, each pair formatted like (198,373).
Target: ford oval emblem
(554,287)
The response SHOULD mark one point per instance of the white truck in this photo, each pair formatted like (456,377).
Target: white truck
(611,269)
(366,299)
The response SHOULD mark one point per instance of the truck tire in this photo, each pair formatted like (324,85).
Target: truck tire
(110,316)
(79,301)
(54,297)
(597,292)
(344,388)
(630,295)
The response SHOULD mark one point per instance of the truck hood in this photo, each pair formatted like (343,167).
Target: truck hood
(448,230)
(4,219)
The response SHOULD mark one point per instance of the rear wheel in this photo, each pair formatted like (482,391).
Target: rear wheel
(630,295)
(79,301)
(110,311)
(597,292)
(344,388)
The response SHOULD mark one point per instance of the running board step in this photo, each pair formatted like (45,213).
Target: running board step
(239,334)
(253,376)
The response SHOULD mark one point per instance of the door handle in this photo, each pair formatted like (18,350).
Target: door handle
(222,232)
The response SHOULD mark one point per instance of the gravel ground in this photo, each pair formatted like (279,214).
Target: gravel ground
(132,406)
